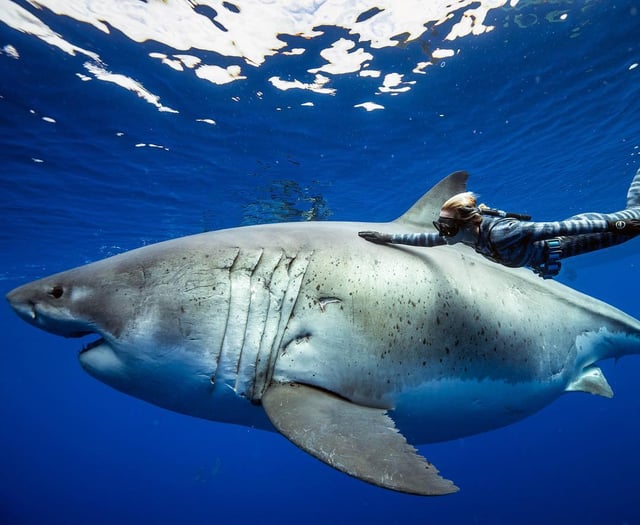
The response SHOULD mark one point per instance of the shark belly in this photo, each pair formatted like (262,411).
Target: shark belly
(452,409)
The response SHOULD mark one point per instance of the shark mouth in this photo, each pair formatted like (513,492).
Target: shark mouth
(92,344)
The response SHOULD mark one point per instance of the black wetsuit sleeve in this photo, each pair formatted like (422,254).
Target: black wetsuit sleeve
(418,239)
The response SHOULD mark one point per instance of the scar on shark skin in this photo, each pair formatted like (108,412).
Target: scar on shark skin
(324,301)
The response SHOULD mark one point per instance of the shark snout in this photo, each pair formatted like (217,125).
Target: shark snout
(22,304)
(46,311)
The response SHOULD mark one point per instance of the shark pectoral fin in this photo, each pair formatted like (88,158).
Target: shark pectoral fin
(591,380)
(360,441)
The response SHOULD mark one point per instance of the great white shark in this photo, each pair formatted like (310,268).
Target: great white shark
(350,349)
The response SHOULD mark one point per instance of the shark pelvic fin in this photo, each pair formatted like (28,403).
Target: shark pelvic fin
(591,380)
(427,208)
(360,441)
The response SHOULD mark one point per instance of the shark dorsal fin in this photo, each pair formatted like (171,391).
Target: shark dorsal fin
(427,208)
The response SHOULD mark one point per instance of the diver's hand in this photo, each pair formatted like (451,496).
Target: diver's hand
(625,226)
(377,237)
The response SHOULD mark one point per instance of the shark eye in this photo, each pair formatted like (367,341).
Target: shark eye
(56,292)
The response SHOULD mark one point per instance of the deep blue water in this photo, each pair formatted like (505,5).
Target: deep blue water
(542,111)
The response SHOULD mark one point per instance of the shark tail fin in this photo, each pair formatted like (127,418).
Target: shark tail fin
(427,208)
(633,195)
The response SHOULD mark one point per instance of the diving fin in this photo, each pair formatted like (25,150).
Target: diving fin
(360,441)
(633,195)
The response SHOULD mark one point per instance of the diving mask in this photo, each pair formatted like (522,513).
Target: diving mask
(447,226)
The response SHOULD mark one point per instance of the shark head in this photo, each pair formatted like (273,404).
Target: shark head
(75,304)
(54,305)
(95,299)
(153,323)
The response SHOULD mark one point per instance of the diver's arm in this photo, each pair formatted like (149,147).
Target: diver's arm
(418,239)
(411,239)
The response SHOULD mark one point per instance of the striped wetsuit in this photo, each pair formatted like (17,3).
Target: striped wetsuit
(518,243)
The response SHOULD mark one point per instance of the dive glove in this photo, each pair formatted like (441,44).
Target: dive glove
(377,237)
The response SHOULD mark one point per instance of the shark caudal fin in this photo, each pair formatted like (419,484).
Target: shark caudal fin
(427,208)
(633,195)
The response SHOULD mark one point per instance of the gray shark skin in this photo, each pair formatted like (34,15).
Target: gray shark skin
(348,348)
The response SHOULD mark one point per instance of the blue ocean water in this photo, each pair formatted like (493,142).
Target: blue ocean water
(542,111)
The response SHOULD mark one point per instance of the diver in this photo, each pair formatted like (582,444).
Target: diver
(513,240)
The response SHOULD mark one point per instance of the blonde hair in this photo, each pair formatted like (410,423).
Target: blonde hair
(464,207)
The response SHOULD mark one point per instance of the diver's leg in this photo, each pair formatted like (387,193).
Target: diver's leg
(590,242)
(628,214)
(632,211)
(633,195)
(546,255)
